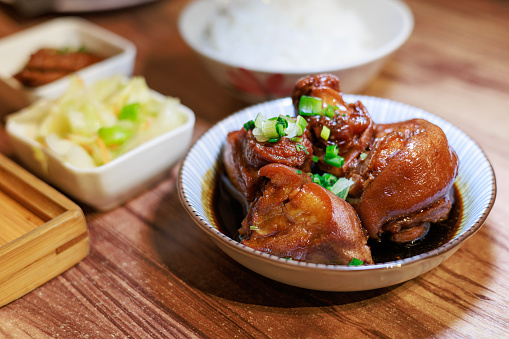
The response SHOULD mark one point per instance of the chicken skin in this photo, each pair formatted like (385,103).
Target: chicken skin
(296,218)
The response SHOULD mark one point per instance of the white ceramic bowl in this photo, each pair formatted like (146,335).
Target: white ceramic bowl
(475,181)
(110,185)
(72,32)
(390,22)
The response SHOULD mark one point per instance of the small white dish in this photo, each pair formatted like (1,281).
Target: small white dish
(117,52)
(389,23)
(112,184)
(475,181)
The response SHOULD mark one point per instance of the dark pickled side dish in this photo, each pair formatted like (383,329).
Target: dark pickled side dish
(329,185)
(48,64)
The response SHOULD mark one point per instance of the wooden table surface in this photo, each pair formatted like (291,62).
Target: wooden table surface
(151,272)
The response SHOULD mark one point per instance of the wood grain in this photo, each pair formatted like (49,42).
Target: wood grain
(152,273)
(16,219)
(42,232)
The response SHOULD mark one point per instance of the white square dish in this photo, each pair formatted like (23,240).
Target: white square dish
(111,184)
(117,52)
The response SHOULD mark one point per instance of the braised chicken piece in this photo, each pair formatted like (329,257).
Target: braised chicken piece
(298,219)
(243,156)
(351,127)
(406,180)
(47,65)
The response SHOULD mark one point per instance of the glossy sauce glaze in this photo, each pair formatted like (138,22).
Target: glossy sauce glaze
(229,213)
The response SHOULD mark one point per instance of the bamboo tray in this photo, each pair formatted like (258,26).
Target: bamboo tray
(42,232)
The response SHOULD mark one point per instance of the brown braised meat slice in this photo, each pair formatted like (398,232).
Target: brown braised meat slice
(47,65)
(243,156)
(351,127)
(296,218)
(406,180)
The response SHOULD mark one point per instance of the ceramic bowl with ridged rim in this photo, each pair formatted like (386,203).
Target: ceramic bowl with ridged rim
(476,183)
(110,185)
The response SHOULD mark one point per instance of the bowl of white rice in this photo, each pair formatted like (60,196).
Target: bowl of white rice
(259,48)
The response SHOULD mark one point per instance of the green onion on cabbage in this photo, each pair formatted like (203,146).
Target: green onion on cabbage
(89,126)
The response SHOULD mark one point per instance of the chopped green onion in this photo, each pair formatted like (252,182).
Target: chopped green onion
(274,139)
(329,111)
(325,133)
(249,125)
(130,112)
(329,179)
(298,171)
(363,156)
(64,50)
(280,130)
(67,49)
(341,187)
(302,123)
(325,180)
(332,158)
(114,135)
(254,228)
(260,118)
(317,179)
(356,262)
(301,147)
(335,161)
(282,121)
(310,105)
(331,151)
(276,127)
(258,134)
(269,129)
(293,130)
(315,158)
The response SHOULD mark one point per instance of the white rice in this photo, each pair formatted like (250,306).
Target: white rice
(288,35)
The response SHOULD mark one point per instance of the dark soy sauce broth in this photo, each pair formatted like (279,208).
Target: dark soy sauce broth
(229,213)
(438,234)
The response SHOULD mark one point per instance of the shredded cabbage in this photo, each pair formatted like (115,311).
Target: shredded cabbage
(77,126)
